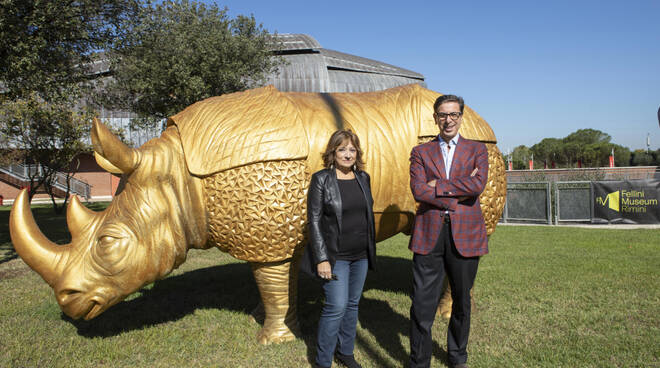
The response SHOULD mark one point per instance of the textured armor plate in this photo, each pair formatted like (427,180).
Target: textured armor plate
(257,212)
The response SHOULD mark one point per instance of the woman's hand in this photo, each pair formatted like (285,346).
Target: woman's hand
(324,270)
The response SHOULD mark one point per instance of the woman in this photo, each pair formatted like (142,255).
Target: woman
(341,243)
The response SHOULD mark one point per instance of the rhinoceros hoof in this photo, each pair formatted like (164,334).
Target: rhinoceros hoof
(275,335)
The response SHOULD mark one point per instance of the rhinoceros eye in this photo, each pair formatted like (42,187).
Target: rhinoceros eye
(107,241)
(110,252)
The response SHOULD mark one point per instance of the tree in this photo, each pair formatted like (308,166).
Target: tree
(570,153)
(598,154)
(591,146)
(621,155)
(587,136)
(46,51)
(587,145)
(520,157)
(178,52)
(547,150)
(46,135)
(46,46)
(641,158)
(8,156)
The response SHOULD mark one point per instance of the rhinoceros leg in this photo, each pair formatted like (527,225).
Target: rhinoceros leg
(446,302)
(257,214)
(444,307)
(277,282)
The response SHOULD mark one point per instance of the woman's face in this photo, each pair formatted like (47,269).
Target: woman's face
(345,155)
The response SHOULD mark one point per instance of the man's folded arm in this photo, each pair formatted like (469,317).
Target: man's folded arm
(420,188)
(466,186)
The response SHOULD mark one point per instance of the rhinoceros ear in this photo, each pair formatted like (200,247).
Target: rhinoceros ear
(106,165)
(111,153)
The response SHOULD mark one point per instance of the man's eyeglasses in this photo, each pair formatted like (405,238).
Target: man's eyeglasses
(444,116)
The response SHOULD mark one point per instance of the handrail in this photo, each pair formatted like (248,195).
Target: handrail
(23,172)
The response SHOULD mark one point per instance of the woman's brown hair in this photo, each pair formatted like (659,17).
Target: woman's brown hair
(336,140)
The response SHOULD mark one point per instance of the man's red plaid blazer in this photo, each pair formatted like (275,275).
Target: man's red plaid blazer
(467,222)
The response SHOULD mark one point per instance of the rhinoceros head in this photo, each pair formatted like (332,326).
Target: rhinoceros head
(140,237)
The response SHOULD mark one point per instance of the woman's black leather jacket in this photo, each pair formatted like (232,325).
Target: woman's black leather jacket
(324,219)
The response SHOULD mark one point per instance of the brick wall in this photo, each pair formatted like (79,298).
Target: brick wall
(102,182)
(599,173)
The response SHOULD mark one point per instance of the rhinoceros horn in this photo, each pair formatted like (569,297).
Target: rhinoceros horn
(45,257)
(111,153)
(77,216)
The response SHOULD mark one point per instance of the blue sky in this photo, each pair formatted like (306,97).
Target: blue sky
(532,69)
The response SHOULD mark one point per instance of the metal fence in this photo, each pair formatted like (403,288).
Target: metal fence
(549,202)
(573,201)
(528,202)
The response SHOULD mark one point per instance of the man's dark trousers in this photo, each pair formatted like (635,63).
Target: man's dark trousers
(428,273)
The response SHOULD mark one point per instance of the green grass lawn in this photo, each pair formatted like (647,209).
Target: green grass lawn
(545,297)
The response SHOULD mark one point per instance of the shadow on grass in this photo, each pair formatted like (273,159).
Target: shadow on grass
(215,287)
(388,334)
(7,252)
(376,316)
(310,303)
(175,297)
(393,274)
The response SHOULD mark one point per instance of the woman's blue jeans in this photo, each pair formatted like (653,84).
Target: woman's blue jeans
(338,322)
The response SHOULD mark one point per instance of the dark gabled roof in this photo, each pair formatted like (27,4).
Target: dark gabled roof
(311,68)
(297,43)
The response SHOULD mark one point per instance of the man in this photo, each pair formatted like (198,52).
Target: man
(449,234)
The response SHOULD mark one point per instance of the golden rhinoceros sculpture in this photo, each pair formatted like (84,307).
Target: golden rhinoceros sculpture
(232,172)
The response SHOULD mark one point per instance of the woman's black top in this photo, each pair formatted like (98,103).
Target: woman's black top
(354,238)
